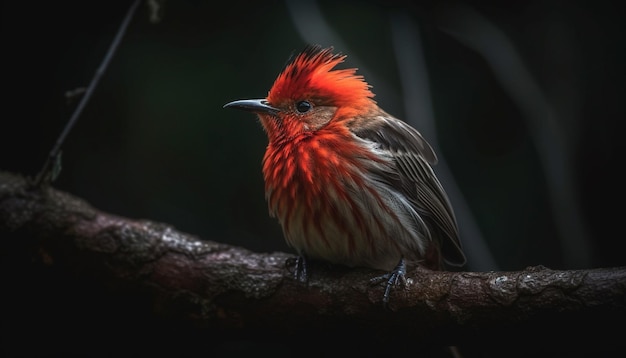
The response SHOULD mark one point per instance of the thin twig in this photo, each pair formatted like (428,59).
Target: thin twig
(43,174)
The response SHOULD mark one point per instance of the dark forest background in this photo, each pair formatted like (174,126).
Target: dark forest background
(523,101)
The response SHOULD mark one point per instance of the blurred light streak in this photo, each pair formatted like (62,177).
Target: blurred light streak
(477,33)
(420,114)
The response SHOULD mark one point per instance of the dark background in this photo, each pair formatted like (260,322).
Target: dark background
(524,102)
(154,141)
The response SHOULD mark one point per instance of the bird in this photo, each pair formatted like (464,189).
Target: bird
(349,183)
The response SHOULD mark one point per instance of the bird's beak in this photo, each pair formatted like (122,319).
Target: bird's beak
(253,105)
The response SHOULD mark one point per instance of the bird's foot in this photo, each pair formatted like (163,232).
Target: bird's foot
(300,271)
(397,275)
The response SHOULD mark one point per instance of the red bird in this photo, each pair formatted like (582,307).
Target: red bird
(349,183)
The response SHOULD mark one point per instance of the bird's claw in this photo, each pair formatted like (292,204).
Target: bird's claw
(397,275)
(300,272)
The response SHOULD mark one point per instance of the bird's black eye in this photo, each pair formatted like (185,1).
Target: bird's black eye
(303,106)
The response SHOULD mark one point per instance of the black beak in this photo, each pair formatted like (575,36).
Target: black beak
(252,105)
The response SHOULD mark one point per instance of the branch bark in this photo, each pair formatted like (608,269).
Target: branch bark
(93,268)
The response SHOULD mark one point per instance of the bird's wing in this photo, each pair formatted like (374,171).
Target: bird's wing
(413,157)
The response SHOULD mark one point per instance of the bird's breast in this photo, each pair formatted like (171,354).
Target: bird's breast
(304,172)
(328,207)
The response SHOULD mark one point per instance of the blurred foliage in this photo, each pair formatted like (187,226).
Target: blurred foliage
(155,143)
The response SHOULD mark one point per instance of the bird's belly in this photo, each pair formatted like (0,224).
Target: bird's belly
(352,229)
(333,207)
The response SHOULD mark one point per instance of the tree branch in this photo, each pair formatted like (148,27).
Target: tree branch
(162,275)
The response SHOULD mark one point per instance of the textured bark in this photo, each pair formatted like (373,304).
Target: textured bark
(60,254)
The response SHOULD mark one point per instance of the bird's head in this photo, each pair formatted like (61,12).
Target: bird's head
(308,94)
